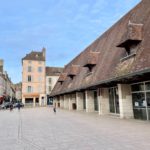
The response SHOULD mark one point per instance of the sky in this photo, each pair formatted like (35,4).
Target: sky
(63,27)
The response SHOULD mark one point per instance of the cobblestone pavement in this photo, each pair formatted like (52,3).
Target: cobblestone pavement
(41,129)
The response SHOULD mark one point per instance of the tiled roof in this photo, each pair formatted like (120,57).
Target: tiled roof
(109,65)
(39,56)
(53,71)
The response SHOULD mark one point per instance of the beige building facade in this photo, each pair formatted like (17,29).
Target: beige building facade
(33,79)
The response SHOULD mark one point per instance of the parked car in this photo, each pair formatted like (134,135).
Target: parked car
(17,104)
(5,105)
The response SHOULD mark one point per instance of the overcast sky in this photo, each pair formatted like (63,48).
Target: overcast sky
(63,27)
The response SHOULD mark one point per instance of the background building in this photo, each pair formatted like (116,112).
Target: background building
(7,91)
(52,75)
(33,79)
(18,91)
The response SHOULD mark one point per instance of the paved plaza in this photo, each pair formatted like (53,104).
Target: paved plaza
(41,129)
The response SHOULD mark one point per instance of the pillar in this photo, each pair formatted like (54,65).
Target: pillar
(104,101)
(34,102)
(23,100)
(125,101)
(89,95)
(79,100)
(61,102)
(66,102)
(55,102)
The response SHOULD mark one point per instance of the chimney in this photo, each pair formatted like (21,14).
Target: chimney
(44,51)
(1,65)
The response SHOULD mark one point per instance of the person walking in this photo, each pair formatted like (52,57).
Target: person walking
(11,106)
(54,109)
(19,106)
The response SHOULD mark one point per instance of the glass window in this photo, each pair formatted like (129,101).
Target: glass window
(29,69)
(95,101)
(137,87)
(111,100)
(148,104)
(148,99)
(29,90)
(147,85)
(39,69)
(139,106)
(138,100)
(29,78)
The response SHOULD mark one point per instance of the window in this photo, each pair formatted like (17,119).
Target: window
(137,87)
(141,100)
(39,69)
(29,78)
(147,86)
(29,89)
(131,40)
(29,69)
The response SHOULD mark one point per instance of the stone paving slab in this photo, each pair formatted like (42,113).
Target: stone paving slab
(41,129)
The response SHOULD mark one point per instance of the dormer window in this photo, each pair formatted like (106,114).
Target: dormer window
(73,71)
(132,38)
(62,78)
(91,61)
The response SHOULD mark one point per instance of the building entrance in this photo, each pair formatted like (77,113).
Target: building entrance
(29,101)
(114,100)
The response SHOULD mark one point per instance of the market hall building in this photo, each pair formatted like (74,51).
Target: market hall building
(112,75)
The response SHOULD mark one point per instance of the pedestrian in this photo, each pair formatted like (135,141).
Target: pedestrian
(19,106)
(54,109)
(11,106)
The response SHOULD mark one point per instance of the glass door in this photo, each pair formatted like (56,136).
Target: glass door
(95,101)
(114,100)
(139,106)
(84,101)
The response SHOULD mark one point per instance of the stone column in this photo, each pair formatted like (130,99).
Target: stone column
(34,102)
(23,100)
(61,102)
(104,101)
(54,102)
(66,102)
(89,95)
(79,100)
(125,101)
